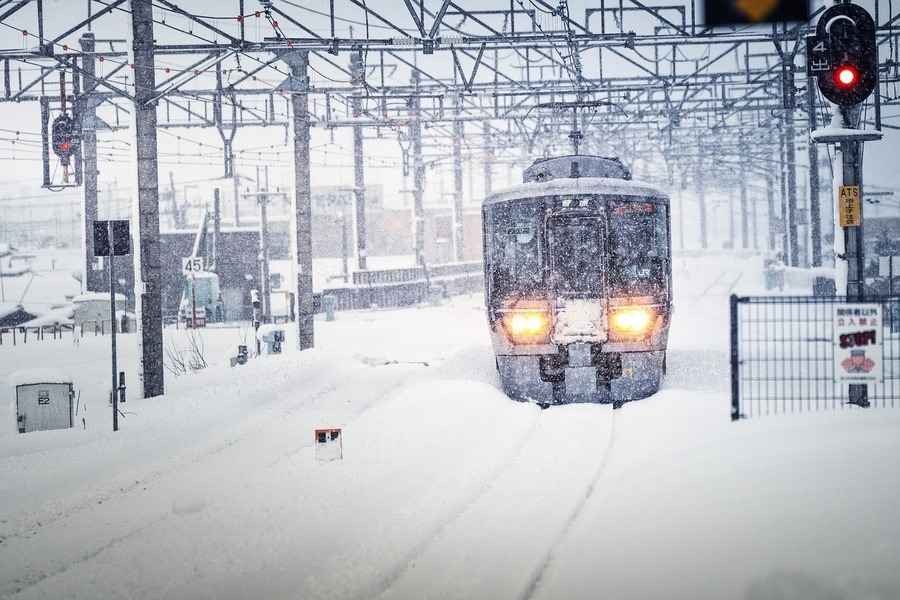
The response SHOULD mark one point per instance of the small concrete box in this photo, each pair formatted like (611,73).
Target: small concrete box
(45,405)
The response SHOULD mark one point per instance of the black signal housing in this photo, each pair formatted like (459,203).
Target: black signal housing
(843,54)
(65,138)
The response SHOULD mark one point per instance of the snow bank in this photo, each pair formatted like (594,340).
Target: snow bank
(37,375)
(98,297)
(267,329)
(58,316)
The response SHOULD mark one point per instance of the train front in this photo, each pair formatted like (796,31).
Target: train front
(578,277)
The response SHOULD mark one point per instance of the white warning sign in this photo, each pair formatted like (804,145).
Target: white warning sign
(858,356)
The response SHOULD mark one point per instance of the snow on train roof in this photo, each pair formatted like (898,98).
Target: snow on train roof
(581,185)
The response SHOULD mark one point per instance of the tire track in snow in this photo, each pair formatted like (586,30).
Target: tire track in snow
(401,567)
(445,533)
(30,580)
(534,582)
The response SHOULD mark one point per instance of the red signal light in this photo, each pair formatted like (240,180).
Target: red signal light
(846,76)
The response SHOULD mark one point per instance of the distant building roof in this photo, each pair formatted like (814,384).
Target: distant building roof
(13,315)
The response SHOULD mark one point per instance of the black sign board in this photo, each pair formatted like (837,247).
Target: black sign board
(818,55)
(748,12)
(121,242)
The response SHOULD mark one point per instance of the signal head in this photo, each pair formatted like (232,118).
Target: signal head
(846,76)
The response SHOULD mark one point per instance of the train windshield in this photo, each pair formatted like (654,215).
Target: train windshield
(638,248)
(516,244)
(576,251)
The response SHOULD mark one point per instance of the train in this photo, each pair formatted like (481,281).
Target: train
(578,282)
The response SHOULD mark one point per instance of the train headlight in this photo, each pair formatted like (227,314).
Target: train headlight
(632,322)
(529,326)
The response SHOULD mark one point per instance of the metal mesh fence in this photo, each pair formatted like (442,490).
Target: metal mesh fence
(783,355)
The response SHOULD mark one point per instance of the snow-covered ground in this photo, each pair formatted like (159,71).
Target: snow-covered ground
(447,489)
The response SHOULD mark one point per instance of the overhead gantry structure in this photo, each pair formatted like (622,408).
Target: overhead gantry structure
(505,80)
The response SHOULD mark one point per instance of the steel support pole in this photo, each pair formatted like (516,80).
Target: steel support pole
(345,247)
(745,212)
(91,279)
(731,234)
(488,158)
(217,228)
(791,157)
(782,179)
(851,154)
(148,281)
(302,230)
(263,257)
(114,397)
(815,209)
(236,183)
(681,211)
(701,202)
(458,230)
(415,132)
(359,181)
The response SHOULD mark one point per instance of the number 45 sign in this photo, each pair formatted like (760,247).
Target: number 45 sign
(192,265)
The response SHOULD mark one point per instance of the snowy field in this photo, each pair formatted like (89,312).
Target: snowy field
(447,489)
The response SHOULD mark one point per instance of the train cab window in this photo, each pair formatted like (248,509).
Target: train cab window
(638,248)
(576,251)
(516,247)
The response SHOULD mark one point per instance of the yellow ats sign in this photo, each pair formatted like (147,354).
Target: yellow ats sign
(850,206)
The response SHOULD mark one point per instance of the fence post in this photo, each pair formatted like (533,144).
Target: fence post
(735,364)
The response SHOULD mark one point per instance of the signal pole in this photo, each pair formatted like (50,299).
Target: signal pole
(88,115)
(815,210)
(843,55)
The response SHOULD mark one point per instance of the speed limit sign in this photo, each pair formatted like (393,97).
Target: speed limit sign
(191,265)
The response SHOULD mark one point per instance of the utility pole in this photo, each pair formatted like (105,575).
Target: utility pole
(262,198)
(236,182)
(148,288)
(783,177)
(488,158)
(458,230)
(359,182)
(701,200)
(791,157)
(770,209)
(745,217)
(681,210)
(88,110)
(217,227)
(754,225)
(302,234)
(415,131)
(731,235)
